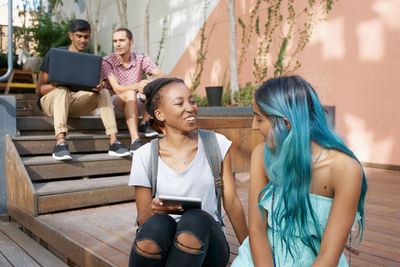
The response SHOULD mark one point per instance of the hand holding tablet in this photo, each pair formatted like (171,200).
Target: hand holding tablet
(185,202)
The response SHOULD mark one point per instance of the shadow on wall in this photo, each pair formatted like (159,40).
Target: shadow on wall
(350,61)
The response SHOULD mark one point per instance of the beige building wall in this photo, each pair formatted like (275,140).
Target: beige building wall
(352,61)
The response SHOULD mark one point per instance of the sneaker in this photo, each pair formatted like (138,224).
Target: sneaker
(135,145)
(146,129)
(61,152)
(118,149)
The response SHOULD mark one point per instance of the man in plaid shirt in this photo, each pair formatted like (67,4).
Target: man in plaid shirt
(124,70)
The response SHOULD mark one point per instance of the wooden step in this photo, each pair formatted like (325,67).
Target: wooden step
(71,194)
(78,143)
(83,143)
(62,187)
(81,165)
(18,249)
(43,123)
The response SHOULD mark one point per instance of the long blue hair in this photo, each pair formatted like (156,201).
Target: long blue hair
(288,163)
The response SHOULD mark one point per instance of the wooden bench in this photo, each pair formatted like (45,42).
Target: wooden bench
(21,79)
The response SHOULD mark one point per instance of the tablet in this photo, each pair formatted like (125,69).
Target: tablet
(185,202)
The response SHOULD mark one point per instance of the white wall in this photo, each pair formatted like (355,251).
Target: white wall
(184,19)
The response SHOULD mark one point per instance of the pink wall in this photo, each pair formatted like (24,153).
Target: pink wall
(352,61)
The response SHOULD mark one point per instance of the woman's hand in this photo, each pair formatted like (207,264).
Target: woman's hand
(158,207)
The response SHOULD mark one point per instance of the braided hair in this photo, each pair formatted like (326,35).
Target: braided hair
(153,95)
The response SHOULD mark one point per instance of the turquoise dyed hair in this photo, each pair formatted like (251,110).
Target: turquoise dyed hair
(288,163)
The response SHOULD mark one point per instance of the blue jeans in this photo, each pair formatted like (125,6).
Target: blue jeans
(163,231)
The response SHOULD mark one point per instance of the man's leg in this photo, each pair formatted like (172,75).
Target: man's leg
(84,103)
(56,104)
(145,126)
(129,105)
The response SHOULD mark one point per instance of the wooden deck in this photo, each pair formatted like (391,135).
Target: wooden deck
(18,249)
(102,236)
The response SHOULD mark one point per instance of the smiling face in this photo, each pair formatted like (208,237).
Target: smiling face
(177,108)
(262,124)
(79,40)
(121,43)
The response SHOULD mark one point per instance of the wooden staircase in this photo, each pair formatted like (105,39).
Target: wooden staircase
(38,184)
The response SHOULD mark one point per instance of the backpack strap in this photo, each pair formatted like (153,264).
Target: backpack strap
(214,158)
(153,167)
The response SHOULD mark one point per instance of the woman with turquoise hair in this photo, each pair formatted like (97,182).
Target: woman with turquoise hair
(307,189)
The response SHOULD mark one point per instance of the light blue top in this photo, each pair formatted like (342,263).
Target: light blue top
(303,256)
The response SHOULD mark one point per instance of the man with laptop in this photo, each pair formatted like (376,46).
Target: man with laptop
(123,70)
(61,97)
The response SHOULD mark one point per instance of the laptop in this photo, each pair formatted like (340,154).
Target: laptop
(77,71)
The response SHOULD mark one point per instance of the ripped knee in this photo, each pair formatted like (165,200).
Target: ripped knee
(148,248)
(188,242)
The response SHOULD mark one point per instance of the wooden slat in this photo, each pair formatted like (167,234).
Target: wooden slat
(67,201)
(45,167)
(82,143)
(60,187)
(70,248)
(38,123)
(224,122)
(18,85)
(4,262)
(41,255)
(91,242)
(39,145)
(14,254)
(20,191)
(243,142)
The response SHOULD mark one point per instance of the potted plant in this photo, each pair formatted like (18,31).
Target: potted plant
(214,95)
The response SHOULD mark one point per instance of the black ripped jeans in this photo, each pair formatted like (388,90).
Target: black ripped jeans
(163,231)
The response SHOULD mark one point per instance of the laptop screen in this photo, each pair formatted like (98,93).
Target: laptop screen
(77,71)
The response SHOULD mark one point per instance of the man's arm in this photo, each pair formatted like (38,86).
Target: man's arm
(157,73)
(43,86)
(137,87)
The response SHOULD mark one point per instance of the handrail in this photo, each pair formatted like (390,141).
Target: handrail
(10,42)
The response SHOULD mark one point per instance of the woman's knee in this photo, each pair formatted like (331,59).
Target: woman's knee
(147,248)
(189,243)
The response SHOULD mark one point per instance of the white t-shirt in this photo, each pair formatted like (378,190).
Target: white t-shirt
(195,181)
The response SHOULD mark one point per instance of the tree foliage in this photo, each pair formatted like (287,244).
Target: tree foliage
(48,33)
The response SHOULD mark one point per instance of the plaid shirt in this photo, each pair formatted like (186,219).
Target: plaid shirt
(130,74)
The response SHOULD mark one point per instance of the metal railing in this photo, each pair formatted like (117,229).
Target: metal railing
(10,42)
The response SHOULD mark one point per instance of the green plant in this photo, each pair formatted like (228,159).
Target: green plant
(245,95)
(226,96)
(282,37)
(48,33)
(201,53)
(200,101)
(4,61)
(162,41)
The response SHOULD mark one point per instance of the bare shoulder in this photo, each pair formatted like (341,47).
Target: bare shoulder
(345,169)
(258,150)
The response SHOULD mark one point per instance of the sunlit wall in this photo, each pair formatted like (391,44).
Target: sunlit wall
(352,59)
